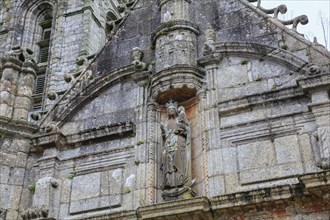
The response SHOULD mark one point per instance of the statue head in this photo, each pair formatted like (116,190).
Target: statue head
(171,108)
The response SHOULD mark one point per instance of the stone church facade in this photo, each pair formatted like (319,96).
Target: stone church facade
(161,109)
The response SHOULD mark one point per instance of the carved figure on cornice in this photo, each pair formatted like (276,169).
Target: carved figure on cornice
(210,40)
(35,213)
(176,155)
(137,56)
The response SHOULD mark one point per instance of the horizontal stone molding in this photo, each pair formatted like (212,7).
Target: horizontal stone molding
(169,26)
(110,131)
(260,130)
(315,82)
(163,2)
(246,102)
(206,208)
(16,128)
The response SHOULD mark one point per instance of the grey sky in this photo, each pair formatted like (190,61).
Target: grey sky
(311,8)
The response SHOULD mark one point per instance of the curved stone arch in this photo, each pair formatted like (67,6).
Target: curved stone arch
(34,11)
(262,52)
(82,93)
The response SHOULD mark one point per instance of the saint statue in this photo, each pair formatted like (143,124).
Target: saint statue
(176,155)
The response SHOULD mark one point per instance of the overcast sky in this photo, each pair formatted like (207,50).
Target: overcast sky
(313,9)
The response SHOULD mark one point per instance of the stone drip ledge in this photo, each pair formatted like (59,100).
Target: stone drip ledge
(14,127)
(108,131)
(310,185)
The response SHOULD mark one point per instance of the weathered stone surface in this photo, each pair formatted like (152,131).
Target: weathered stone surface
(88,184)
(256,95)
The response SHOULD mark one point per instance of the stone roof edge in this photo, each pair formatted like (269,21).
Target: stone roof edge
(284,28)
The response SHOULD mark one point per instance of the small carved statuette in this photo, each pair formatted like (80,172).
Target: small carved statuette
(176,155)
(137,56)
(210,39)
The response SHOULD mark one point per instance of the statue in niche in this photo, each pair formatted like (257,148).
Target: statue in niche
(176,155)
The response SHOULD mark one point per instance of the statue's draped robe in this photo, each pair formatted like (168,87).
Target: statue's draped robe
(176,153)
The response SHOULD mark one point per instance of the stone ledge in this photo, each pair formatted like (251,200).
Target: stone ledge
(315,82)
(13,127)
(246,102)
(60,140)
(206,208)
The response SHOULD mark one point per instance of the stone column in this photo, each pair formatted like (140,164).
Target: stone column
(152,134)
(25,85)
(8,84)
(201,98)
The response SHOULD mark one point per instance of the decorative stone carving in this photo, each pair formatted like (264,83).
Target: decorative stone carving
(137,56)
(3,213)
(210,39)
(176,155)
(314,69)
(302,19)
(35,213)
(48,128)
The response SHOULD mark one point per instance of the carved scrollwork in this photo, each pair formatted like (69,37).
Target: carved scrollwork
(302,19)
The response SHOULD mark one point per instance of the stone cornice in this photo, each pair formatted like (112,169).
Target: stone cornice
(315,82)
(16,128)
(166,27)
(310,185)
(163,2)
(262,98)
(60,140)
